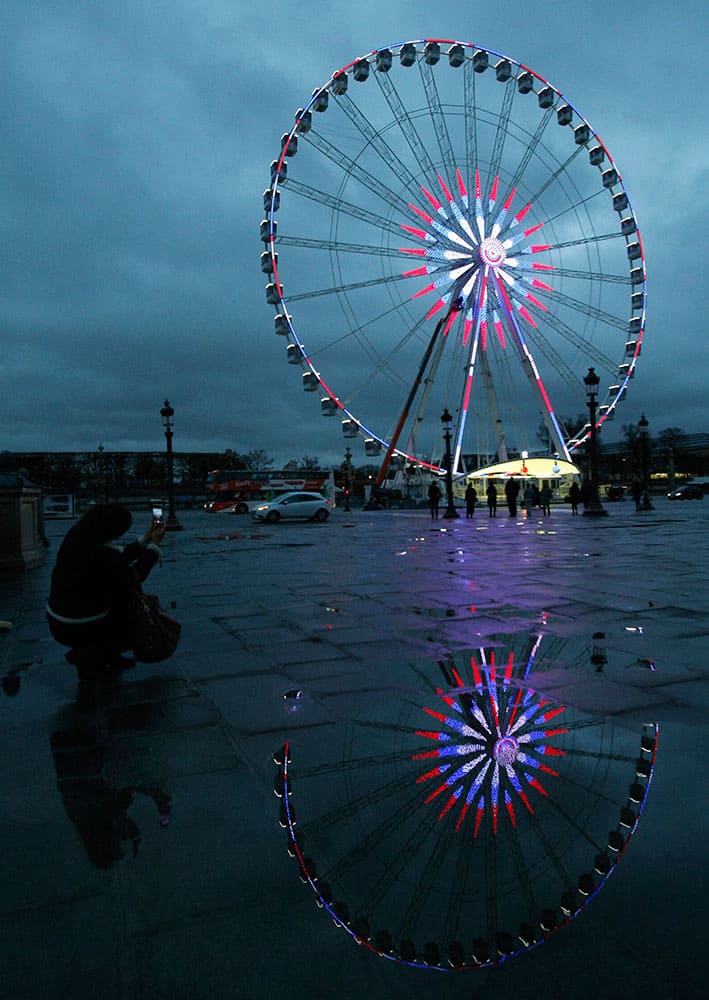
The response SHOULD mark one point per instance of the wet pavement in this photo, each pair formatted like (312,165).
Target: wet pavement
(142,851)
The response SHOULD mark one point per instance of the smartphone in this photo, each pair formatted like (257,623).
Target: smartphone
(157,515)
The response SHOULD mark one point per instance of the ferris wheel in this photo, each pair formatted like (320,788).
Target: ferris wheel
(462,816)
(444,230)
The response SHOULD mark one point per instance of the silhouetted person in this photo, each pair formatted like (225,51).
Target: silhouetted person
(545,500)
(585,492)
(434,498)
(471,498)
(574,497)
(637,490)
(93,581)
(491,494)
(511,494)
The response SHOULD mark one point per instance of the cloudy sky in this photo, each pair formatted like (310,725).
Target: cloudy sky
(136,142)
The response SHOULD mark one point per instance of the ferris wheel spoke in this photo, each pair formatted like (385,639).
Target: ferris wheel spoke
(544,346)
(372,840)
(590,276)
(472,158)
(351,168)
(589,349)
(354,764)
(339,289)
(340,205)
(575,783)
(571,821)
(335,246)
(584,241)
(523,878)
(339,813)
(598,756)
(428,878)
(549,848)
(490,880)
(406,857)
(529,365)
(405,124)
(386,153)
(382,364)
(439,121)
(585,309)
(501,131)
(458,890)
(531,149)
(478,322)
(554,176)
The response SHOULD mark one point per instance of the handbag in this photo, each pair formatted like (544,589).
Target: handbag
(154,633)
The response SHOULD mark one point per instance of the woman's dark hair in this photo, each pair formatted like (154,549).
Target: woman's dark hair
(105,523)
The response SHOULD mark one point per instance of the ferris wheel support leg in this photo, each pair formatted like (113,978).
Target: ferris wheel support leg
(530,369)
(381,476)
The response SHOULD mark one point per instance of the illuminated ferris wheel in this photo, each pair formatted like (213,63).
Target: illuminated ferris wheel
(445,230)
(462,816)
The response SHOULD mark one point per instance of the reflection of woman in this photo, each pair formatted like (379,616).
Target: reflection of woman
(99,811)
(92,583)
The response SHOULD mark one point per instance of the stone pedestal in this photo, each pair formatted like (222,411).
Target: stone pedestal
(21,528)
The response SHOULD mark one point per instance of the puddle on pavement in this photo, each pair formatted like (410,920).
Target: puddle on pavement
(489,792)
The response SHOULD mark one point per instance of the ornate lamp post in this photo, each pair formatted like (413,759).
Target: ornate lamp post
(643,425)
(348,477)
(447,421)
(167,413)
(594,507)
(101,491)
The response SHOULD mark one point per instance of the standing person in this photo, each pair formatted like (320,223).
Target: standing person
(528,498)
(585,492)
(491,494)
(471,498)
(637,491)
(511,494)
(574,497)
(93,581)
(545,500)
(434,498)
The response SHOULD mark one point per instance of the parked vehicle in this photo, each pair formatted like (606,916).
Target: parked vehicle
(690,491)
(238,491)
(296,504)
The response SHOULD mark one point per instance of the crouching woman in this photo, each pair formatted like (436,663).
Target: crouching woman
(93,582)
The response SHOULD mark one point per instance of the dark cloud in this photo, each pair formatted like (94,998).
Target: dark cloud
(136,144)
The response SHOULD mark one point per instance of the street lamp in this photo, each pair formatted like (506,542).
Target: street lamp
(167,413)
(594,507)
(447,421)
(348,477)
(643,424)
(102,491)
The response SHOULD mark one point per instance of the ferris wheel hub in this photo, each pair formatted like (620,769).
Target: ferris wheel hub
(492,252)
(506,750)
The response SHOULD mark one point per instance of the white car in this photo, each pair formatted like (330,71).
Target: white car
(296,504)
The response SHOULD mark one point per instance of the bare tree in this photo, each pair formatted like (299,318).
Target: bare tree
(670,440)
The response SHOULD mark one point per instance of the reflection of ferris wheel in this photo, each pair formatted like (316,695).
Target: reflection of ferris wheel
(460,820)
(452,234)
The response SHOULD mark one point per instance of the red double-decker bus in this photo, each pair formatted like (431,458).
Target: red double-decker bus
(238,490)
